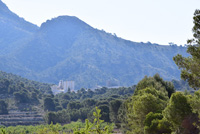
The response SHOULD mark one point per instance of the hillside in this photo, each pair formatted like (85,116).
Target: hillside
(17,82)
(69,49)
(14,31)
(23,100)
(21,93)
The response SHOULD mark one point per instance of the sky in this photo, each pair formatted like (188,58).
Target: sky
(156,21)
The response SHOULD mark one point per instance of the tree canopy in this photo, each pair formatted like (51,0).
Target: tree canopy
(190,66)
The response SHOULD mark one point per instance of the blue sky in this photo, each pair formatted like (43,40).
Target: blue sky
(157,21)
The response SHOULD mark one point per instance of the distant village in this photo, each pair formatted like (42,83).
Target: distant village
(65,86)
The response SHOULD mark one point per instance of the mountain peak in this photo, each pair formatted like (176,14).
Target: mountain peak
(3,8)
(64,21)
(65,18)
(7,17)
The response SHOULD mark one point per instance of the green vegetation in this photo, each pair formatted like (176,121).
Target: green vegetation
(152,111)
(10,83)
(97,127)
(72,106)
(190,66)
(151,96)
(151,107)
(43,129)
(154,108)
(18,93)
(3,107)
(21,94)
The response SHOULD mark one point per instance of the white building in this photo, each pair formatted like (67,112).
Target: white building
(63,86)
(68,85)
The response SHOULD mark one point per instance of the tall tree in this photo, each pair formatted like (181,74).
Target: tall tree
(156,82)
(179,113)
(49,104)
(114,107)
(3,107)
(190,66)
(147,100)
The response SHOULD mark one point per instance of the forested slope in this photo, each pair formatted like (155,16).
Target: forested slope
(68,48)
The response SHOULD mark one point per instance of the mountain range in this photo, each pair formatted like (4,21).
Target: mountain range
(66,48)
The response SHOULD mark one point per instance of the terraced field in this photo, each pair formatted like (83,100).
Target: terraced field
(21,118)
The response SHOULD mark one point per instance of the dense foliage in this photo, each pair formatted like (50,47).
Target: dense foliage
(25,95)
(16,92)
(97,127)
(3,107)
(154,108)
(152,111)
(190,66)
(71,106)
(11,83)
